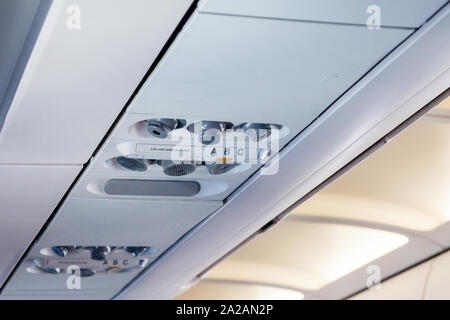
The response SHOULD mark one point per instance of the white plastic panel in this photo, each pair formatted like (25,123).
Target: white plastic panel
(85,221)
(78,80)
(16,21)
(398,13)
(222,68)
(28,195)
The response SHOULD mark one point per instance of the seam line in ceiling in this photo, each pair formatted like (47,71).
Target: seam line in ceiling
(427,278)
(299,20)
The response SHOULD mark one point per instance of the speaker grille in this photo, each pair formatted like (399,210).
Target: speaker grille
(138,165)
(180,169)
(166,188)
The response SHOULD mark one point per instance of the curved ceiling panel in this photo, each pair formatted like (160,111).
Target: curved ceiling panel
(428,280)
(404,184)
(231,290)
(307,255)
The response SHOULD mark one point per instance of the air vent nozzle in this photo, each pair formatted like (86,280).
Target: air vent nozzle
(160,127)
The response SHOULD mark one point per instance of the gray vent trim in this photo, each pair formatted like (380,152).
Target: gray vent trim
(159,188)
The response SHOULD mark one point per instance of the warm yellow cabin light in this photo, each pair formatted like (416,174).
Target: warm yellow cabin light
(307,255)
(229,290)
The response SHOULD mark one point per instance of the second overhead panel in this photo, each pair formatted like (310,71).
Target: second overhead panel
(240,69)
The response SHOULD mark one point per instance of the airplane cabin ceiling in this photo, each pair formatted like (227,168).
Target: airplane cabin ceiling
(92,114)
